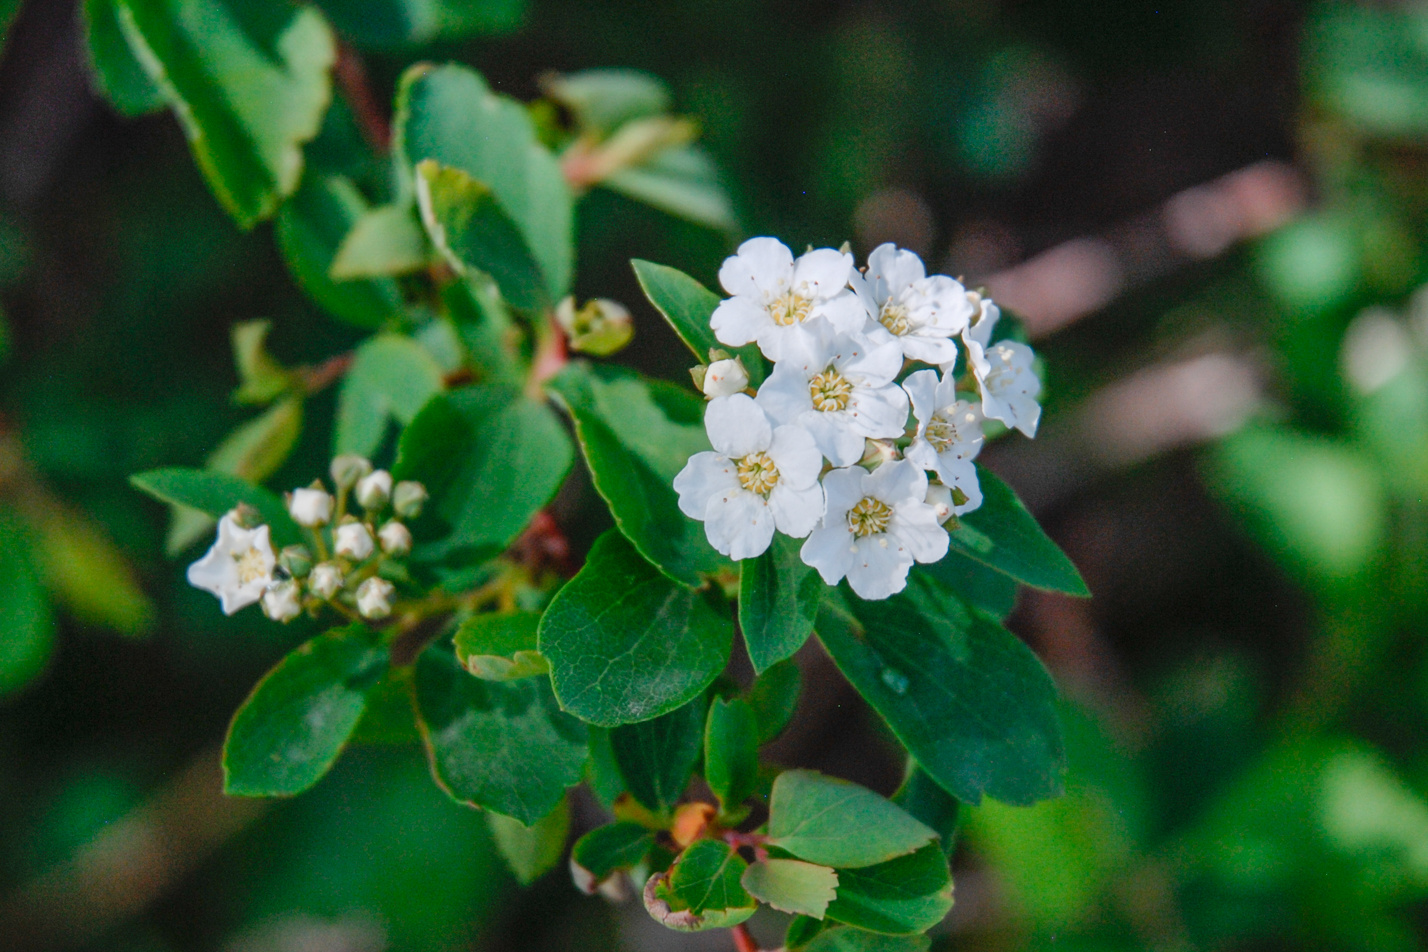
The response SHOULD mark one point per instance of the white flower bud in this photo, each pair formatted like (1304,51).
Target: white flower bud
(396,539)
(408,498)
(325,580)
(348,468)
(310,507)
(281,602)
(354,541)
(724,377)
(939,497)
(374,598)
(375,489)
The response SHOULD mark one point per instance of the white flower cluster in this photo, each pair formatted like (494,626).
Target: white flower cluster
(241,567)
(825,450)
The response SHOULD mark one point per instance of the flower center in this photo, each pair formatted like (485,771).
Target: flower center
(830,391)
(757,473)
(869,517)
(942,431)
(791,308)
(894,317)
(252,566)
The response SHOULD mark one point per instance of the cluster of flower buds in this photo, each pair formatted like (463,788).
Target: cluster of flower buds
(826,449)
(356,532)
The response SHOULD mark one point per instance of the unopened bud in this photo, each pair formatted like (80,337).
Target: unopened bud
(282,602)
(408,498)
(877,452)
(939,497)
(374,598)
(601,327)
(348,469)
(326,580)
(724,377)
(310,507)
(396,539)
(375,489)
(295,560)
(353,541)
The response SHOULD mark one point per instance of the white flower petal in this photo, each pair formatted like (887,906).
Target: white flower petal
(739,320)
(874,357)
(929,350)
(737,426)
(834,437)
(878,412)
(821,274)
(705,476)
(739,524)
(845,312)
(784,394)
(892,270)
(917,529)
(796,456)
(762,268)
(921,387)
(843,488)
(879,567)
(921,454)
(796,511)
(829,549)
(896,482)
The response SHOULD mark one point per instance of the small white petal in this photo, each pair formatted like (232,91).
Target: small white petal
(762,268)
(918,530)
(705,476)
(796,456)
(845,313)
(829,549)
(843,488)
(896,482)
(737,426)
(738,321)
(822,274)
(796,511)
(739,524)
(784,393)
(879,567)
(892,270)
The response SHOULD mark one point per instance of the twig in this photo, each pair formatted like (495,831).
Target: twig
(351,75)
(743,941)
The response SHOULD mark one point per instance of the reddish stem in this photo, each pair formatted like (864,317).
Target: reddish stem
(550,356)
(744,942)
(351,75)
(325,374)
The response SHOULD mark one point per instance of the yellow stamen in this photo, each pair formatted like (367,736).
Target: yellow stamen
(869,517)
(894,318)
(791,308)
(251,566)
(830,391)
(757,473)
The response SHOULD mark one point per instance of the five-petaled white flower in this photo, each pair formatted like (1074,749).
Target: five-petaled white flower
(776,299)
(758,477)
(839,387)
(876,525)
(239,567)
(949,435)
(922,312)
(1010,386)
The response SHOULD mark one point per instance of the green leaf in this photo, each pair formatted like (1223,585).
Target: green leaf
(398,24)
(626,644)
(26,626)
(968,700)
(500,646)
(469,227)
(389,719)
(261,379)
(531,851)
(392,377)
(657,756)
(484,324)
(637,435)
(687,305)
(291,729)
(257,448)
(85,571)
(791,885)
(499,745)
(974,583)
(774,698)
(384,241)
(683,181)
(119,76)
(449,114)
(922,798)
(837,823)
(849,939)
(491,459)
(311,227)
(215,494)
(249,81)
(602,100)
(906,895)
(1002,534)
(731,752)
(778,601)
(607,849)
(701,890)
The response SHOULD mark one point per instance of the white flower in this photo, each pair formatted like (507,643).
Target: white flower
(977,335)
(325,580)
(354,541)
(1010,386)
(396,538)
(922,313)
(374,489)
(724,378)
(757,478)
(775,298)
(239,567)
(374,598)
(949,435)
(281,602)
(876,525)
(310,507)
(840,388)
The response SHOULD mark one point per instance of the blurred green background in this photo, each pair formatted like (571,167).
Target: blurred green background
(1213,218)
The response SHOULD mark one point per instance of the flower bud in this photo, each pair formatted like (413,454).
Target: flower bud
(877,452)
(374,598)
(295,560)
(601,327)
(939,497)
(282,602)
(408,499)
(724,377)
(310,507)
(353,541)
(396,539)
(348,468)
(375,489)
(326,580)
